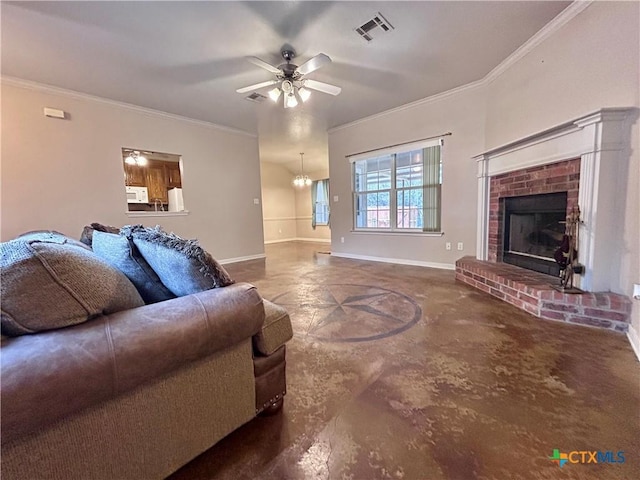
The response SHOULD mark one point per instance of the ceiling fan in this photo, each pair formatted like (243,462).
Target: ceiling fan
(291,79)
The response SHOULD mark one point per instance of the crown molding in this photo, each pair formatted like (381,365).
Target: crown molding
(408,106)
(41,87)
(545,32)
(559,21)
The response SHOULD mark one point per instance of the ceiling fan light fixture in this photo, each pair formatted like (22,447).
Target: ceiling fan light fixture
(291,101)
(275,94)
(304,94)
(287,86)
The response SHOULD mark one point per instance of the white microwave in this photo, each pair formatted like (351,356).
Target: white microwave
(137,195)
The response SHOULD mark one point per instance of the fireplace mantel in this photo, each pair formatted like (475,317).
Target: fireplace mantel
(602,141)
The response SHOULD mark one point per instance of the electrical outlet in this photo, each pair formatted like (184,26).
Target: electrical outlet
(335,198)
(447,245)
(460,246)
(256,201)
(341,239)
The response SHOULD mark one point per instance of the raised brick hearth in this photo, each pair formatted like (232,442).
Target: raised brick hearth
(533,292)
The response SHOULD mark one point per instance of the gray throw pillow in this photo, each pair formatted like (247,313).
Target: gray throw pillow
(182,265)
(120,252)
(53,283)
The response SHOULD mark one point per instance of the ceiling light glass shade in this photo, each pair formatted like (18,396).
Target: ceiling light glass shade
(275,94)
(142,161)
(130,160)
(302,181)
(287,86)
(304,94)
(290,101)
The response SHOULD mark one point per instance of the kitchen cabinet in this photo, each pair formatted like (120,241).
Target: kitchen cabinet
(135,176)
(173,175)
(157,181)
(157,175)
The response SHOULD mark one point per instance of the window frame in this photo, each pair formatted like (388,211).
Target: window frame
(394,208)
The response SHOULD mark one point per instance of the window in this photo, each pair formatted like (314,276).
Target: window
(320,202)
(398,190)
(153,181)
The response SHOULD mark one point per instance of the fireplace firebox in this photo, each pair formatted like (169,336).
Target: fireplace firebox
(533,230)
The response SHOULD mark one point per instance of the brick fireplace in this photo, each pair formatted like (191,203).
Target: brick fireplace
(540,181)
(582,160)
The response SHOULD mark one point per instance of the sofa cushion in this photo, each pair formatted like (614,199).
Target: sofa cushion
(276,329)
(54,282)
(49,376)
(120,252)
(182,265)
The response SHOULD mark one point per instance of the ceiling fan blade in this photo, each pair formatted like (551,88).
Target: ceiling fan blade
(313,64)
(322,87)
(251,88)
(265,65)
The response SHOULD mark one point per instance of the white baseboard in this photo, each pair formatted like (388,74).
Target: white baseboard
(242,259)
(280,240)
(313,240)
(399,261)
(634,339)
(299,239)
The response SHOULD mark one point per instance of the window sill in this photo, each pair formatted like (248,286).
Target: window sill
(409,233)
(157,214)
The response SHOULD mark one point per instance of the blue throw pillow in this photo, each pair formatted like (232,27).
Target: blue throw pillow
(121,253)
(182,265)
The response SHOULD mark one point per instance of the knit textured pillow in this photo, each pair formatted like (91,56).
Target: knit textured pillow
(183,266)
(56,282)
(120,252)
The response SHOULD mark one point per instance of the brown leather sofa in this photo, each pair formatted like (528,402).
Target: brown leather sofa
(138,393)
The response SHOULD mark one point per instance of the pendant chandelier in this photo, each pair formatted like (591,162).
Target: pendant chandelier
(301,180)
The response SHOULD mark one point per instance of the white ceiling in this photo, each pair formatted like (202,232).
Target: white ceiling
(188,58)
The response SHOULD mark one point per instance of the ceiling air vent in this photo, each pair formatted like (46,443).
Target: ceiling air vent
(377,25)
(256,97)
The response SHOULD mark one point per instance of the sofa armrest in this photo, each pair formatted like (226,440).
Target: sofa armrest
(52,374)
(276,329)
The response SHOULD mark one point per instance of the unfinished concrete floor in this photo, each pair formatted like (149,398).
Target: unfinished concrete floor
(399,372)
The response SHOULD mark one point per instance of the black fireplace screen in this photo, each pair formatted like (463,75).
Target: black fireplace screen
(533,230)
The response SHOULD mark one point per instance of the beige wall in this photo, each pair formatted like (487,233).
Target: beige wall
(591,63)
(278,203)
(462,114)
(64,174)
(286,209)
